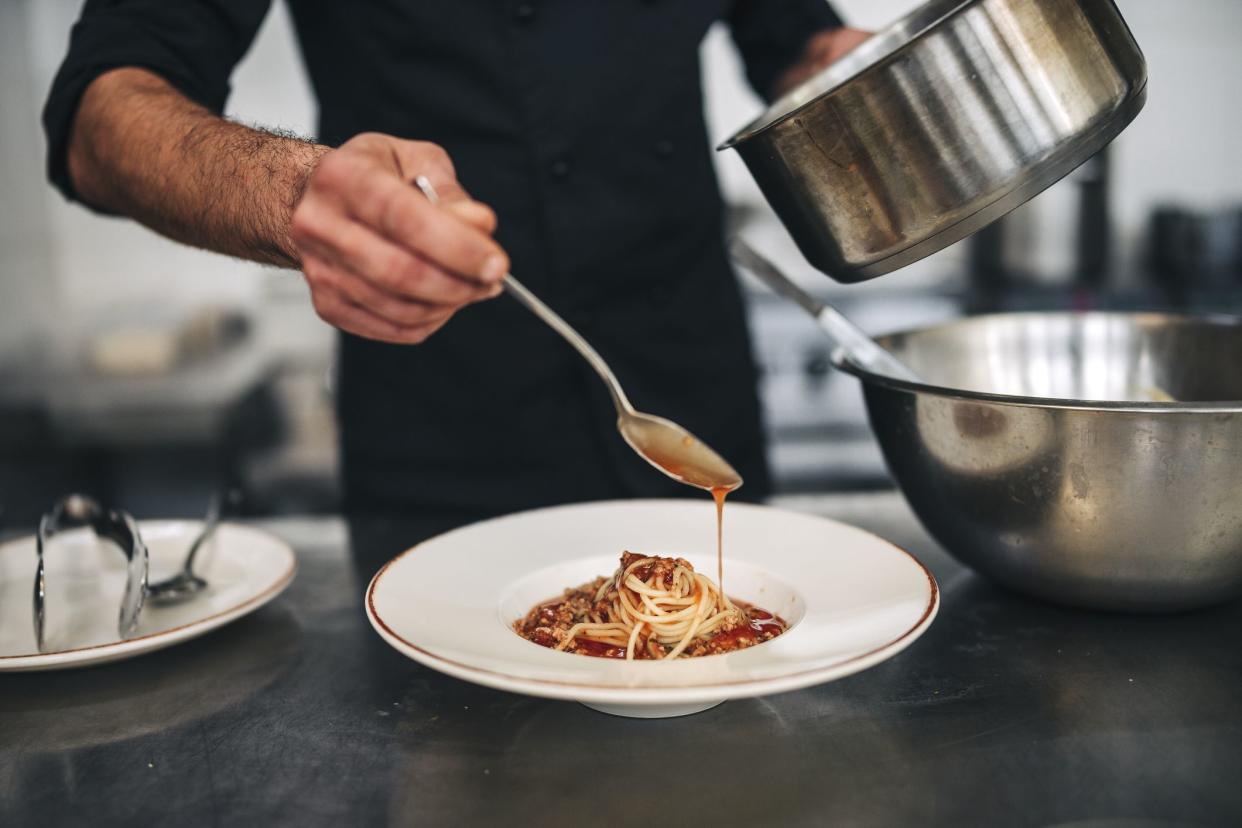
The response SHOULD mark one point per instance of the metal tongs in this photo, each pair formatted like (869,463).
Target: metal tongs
(109,524)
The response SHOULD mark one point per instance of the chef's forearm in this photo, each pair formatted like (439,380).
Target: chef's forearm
(142,149)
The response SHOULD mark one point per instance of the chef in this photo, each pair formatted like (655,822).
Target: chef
(567,141)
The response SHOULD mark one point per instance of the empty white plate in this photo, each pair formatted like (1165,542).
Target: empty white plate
(852,600)
(244,567)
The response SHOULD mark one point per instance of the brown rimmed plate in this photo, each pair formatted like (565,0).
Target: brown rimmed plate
(852,599)
(244,567)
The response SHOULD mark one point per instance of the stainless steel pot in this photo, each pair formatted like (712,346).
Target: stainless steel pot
(940,124)
(1032,454)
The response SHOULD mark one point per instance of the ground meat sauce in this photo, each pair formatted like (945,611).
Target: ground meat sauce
(548,623)
(664,567)
(760,626)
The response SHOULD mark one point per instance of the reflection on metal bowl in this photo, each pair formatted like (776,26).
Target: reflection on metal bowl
(1042,451)
(973,444)
(979,439)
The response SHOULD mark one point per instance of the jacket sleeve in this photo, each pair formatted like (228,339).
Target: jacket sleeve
(193,44)
(771,35)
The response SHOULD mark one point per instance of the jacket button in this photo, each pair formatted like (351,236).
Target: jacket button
(559,168)
(524,12)
(664,148)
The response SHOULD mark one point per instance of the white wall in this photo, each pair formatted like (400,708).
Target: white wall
(108,269)
(1184,146)
(26,260)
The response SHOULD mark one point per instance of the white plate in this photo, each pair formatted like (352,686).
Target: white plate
(853,600)
(244,567)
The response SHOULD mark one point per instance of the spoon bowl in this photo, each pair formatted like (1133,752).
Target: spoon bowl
(185,584)
(676,452)
(176,589)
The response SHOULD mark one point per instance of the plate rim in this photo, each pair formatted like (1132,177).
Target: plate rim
(116,650)
(579,691)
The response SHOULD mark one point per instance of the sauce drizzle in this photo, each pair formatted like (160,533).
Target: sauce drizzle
(719,494)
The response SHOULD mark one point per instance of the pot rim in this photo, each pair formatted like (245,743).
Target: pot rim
(860,61)
(843,363)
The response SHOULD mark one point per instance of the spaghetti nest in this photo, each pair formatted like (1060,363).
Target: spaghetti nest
(651,608)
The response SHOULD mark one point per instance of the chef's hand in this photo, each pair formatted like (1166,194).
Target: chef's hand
(382,262)
(822,49)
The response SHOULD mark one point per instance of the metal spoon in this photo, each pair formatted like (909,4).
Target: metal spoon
(858,347)
(185,583)
(661,442)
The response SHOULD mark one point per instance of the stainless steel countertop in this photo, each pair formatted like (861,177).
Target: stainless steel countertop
(1007,712)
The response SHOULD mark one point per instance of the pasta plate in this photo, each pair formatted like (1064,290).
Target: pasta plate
(851,599)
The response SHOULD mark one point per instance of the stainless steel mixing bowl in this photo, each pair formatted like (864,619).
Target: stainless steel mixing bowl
(941,123)
(1035,452)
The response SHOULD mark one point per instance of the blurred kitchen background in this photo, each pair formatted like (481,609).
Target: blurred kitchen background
(151,374)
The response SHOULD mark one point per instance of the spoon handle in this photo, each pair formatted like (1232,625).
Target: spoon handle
(777,282)
(533,303)
(215,511)
(858,347)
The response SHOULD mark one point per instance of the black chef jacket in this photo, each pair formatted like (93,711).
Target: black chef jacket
(581,123)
